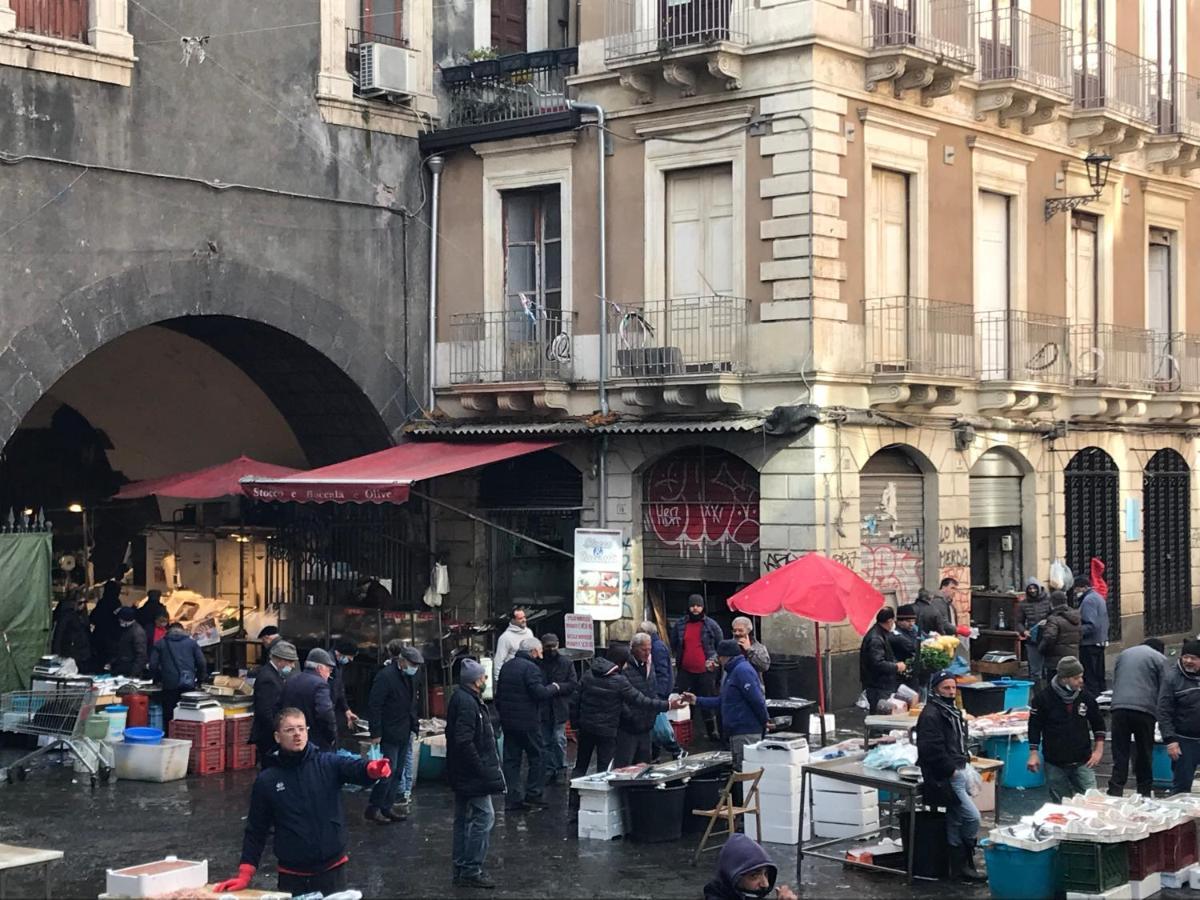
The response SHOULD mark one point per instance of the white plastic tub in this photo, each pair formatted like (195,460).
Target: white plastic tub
(167,761)
(153,879)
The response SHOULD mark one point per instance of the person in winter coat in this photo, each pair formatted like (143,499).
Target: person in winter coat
(743,707)
(473,772)
(177,663)
(743,633)
(148,613)
(933,614)
(1059,634)
(744,870)
(943,759)
(508,644)
(395,720)
(633,734)
(905,642)
(556,669)
(130,657)
(1032,610)
(1137,677)
(308,691)
(72,633)
(694,640)
(1179,715)
(105,627)
(521,693)
(344,652)
(1093,636)
(1065,720)
(268,697)
(603,693)
(298,795)
(878,669)
(664,682)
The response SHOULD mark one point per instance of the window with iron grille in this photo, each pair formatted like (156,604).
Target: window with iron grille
(1167,585)
(1093,523)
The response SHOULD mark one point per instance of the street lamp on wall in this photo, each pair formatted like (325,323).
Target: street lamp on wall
(1097,172)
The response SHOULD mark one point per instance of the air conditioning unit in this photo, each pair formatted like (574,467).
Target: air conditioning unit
(384,69)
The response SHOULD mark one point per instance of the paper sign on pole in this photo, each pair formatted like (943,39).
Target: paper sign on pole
(598,554)
(579,633)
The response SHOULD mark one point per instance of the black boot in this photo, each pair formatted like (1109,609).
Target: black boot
(963,862)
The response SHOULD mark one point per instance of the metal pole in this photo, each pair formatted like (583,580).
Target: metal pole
(490,524)
(435,163)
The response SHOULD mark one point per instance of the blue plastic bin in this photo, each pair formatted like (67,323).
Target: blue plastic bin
(143,736)
(1014,753)
(1016,874)
(1016,694)
(1164,775)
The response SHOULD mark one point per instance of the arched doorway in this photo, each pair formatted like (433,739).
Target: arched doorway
(1093,521)
(1167,564)
(893,513)
(997,517)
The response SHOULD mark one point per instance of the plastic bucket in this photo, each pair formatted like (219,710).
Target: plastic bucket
(1164,774)
(143,735)
(116,721)
(96,727)
(656,812)
(1015,754)
(1016,692)
(139,710)
(702,793)
(1016,874)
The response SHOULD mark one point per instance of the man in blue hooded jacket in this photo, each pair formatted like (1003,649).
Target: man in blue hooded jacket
(743,707)
(744,870)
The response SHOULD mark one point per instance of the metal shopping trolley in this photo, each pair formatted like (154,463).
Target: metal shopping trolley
(59,714)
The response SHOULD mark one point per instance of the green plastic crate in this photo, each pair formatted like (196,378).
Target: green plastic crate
(1090,868)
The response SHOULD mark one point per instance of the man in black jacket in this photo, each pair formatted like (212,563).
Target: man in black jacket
(308,691)
(72,631)
(633,735)
(268,697)
(1065,720)
(556,669)
(344,652)
(905,641)
(178,663)
(1179,715)
(877,667)
(942,756)
(519,698)
(131,655)
(395,719)
(473,771)
(298,795)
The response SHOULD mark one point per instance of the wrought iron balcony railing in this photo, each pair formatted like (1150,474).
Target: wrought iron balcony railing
(692,336)
(509,88)
(1179,110)
(636,28)
(1012,345)
(1121,357)
(943,28)
(1017,46)
(1107,78)
(511,346)
(918,336)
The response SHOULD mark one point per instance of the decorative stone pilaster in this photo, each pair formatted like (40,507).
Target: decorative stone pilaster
(8,16)
(108,27)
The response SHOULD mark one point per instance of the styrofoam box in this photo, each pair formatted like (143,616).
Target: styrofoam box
(595,834)
(829,786)
(603,804)
(1180,879)
(1120,892)
(1147,887)
(163,876)
(597,821)
(780,805)
(683,714)
(779,780)
(814,724)
(781,834)
(167,761)
(776,752)
(208,714)
(842,830)
(845,813)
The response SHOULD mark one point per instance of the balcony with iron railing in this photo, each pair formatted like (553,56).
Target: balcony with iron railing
(513,95)
(1023,348)
(511,347)
(919,44)
(63,19)
(1176,102)
(694,338)
(1117,357)
(1113,97)
(918,337)
(1024,69)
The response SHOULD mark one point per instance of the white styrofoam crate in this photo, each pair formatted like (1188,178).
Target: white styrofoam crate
(1179,879)
(593,821)
(842,830)
(814,724)
(780,805)
(600,803)
(589,834)
(163,876)
(780,780)
(590,784)
(772,752)
(1147,887)
(1120,892)
(781,834)
(208,714)
(683,714)
(845,808)
(821,784)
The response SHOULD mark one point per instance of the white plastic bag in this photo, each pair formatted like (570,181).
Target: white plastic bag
(862,702)
(1060,576)
(974,782)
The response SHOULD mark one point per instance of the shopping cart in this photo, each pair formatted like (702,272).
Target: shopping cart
(59,714)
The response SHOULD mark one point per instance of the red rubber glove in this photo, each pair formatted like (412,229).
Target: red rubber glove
(233,885)
(963,630)
(379,768)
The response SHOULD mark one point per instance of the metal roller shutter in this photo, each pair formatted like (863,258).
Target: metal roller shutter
(892,509)
(995,492)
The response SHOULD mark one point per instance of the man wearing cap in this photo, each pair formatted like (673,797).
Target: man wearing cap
(694,640)
(308,691)
(743,707)
(344,652)
(878,669)
(1179,715)
(943,759)
(521,693)
(395,718)
(905,641)
(1065,720)
(130,656)
(473,772)
(556,669)
(268,697)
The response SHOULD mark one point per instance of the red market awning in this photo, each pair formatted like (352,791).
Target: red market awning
(221,480)
(388,475)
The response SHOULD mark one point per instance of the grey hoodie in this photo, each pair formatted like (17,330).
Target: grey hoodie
(507,646)
(1136,679)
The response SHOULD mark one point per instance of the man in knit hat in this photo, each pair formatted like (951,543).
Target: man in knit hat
(473,771)
(694,640)
(1065,720)
(1179,715)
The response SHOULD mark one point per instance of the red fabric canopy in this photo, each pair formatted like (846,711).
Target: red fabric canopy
(813,587)
(221,480)
(386,476)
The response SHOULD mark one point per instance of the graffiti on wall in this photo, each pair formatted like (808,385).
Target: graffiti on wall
(703,505)
(892,570)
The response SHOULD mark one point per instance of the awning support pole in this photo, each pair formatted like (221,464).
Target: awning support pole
(490,524)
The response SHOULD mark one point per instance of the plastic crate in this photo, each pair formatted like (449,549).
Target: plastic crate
(1147,856)
(1088,868)
(1014,753)
(1016,874)
(207,762)
(683,733)
(240,756)
(203,735)
(1179,846)
(237,730)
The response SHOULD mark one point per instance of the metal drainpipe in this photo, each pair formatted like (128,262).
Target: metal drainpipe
(602,463)
(436,164)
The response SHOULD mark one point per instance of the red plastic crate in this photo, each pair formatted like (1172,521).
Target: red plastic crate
(203,735)
(237,731)
(683,732)
(207,762)
(240,756)
(1180,846)
(1148,856)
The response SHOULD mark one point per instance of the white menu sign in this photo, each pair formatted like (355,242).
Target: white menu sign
(598,554)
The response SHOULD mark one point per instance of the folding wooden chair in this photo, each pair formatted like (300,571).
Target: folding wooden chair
(729,811)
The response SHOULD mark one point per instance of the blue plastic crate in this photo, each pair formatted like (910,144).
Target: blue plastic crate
(1014,752)
(1017,691)
(1016,874)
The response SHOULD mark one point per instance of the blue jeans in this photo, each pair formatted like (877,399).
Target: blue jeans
(473,821)
(383,795)
(554,750)
(962,818)
(406,768)
(1184,768)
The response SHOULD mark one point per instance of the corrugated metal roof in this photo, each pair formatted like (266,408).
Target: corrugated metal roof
(660,426)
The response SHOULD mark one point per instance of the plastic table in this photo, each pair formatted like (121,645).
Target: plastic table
(14,857)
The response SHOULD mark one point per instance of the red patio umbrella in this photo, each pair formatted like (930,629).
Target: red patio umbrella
(813,587)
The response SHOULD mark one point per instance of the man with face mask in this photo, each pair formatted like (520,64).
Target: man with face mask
(131,655)
(1031,613)
(556,669)
(694,640)
(473,772)
(344,652)
(298,795)
(308,691)
(395,718)
(268,697)
(1179,715)
(743,871)
(878,669)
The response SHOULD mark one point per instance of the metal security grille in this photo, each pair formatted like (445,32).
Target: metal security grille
(1093,520)
(892,505)
(1166,486)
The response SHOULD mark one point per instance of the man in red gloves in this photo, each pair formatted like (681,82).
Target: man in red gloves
(299,795)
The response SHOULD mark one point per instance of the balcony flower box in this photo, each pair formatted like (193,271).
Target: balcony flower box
(486,68)
(456,74)
(514,62)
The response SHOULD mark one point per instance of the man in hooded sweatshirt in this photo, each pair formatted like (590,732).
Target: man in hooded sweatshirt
(1031,612)
(1179,715)
(508,644)
(743,871)
(131,656)
(1065,720)
(694,640)
(1059,634)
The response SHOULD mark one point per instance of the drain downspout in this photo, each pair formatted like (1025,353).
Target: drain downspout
(436,164)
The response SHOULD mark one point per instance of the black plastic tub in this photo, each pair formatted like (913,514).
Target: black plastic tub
(655,812)
(702,793)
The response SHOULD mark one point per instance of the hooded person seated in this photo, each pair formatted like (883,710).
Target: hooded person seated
(744,870)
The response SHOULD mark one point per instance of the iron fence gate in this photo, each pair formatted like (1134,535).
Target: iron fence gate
(1093,520)
(1166,488)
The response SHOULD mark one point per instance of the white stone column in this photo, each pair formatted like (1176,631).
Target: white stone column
(108,27)
(333,79)
(8,16)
